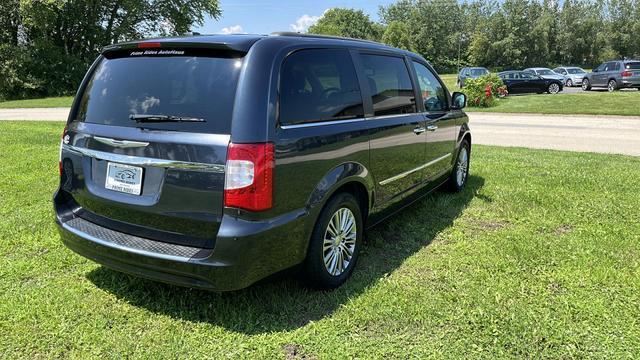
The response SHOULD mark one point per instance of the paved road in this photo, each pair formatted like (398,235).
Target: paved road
(46,114)
(603,134)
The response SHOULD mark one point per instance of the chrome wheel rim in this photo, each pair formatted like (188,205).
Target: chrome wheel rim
(339,241)
(585,85)
(569,83)
(554,88)
(463,166)
(612,86)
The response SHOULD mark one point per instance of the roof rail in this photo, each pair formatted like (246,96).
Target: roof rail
(316,36)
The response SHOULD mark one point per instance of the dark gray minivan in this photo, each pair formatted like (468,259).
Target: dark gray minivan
(215,161)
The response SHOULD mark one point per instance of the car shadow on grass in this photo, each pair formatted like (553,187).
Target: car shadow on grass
(281,303)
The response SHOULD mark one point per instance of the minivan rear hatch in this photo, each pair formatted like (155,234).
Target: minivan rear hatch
(145,149)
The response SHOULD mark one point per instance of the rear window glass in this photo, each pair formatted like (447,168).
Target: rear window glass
(390,85)
(319,85)
(633,66)
(182,86)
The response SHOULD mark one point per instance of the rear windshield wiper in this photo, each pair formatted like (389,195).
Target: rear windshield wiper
(163,118)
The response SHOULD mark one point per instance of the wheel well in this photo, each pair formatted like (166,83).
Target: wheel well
(358,190)
(467,137)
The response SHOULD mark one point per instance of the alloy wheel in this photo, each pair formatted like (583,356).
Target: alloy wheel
(463,167)
(339,241)
(554,88)
(569,83)
(612,86)
(585,85)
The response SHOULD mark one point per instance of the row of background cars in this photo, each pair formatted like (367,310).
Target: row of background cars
(612,75)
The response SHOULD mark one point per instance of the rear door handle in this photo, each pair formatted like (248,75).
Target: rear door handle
(419,130)
(432,128)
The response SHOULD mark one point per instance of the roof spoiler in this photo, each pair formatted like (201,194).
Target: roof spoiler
(172,44)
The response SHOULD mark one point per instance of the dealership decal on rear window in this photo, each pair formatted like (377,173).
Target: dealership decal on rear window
(157,52)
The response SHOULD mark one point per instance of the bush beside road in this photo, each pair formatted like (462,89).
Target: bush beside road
(533,259)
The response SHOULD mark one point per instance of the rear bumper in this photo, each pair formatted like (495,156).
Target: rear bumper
(635,82)
(245,252)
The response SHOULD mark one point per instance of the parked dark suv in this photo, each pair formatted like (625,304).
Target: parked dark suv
(215,161)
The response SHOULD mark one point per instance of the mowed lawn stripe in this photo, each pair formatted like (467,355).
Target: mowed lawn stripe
(538,257)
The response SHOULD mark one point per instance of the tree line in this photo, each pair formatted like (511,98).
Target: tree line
(46,46)
(499,34)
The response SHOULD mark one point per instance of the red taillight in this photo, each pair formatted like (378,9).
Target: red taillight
(64,132)
(249,176)
(627,74)
(149,45)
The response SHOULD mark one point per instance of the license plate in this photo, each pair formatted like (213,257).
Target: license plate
(124,178)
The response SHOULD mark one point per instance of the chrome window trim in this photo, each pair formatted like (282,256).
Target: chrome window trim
(321,123)
(145,161)
(407,173)
(338,122)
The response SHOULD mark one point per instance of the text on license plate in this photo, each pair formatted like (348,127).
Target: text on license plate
(124,178)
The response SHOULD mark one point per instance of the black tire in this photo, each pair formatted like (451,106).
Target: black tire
(315,273)
(569,83)
(453,184)
(553,88)
(612,85)
(586,85)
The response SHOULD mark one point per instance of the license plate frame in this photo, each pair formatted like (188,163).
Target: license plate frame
(124,178)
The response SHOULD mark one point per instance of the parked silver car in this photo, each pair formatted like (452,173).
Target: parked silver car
(573,75)
(546,73)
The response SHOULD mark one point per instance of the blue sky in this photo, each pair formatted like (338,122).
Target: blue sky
(267,16)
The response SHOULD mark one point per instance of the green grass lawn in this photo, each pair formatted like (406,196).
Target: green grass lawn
(537,258)
(589,103)
(450,81)
(64,101)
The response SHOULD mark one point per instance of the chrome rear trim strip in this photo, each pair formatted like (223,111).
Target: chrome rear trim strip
(407,173)
(120,143)
(145,161)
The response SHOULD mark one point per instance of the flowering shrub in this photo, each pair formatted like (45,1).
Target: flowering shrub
(483,91)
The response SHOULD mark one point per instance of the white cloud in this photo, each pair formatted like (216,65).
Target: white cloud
(304,22)
(235,29)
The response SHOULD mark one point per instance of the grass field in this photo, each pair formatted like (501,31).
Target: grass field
(539,257)
(589,103)
(37,103)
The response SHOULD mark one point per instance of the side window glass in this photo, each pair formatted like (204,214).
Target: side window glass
(319,85)
(390,85)
(433,93)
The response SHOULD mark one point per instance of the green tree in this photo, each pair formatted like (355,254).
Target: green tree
(56,40)
(398,34)
(348,23)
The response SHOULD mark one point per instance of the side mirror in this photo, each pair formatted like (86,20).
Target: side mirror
(458,101)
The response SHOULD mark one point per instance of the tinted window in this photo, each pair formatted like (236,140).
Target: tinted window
(527,75)
(390,85)
(633,66)
(433,93)
(184,86)
(479,72)
(576,71)
(319,85)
